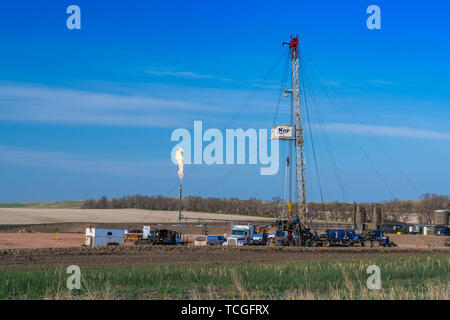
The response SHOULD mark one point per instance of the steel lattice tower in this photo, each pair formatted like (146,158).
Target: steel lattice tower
(299,143)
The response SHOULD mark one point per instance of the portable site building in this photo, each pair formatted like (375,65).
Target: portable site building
(145,232)
(104,237)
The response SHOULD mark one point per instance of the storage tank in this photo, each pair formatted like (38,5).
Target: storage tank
(378,216)
(373,216)
(441,217)
(360,218)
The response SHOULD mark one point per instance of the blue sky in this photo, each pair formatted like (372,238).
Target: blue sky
(86,113)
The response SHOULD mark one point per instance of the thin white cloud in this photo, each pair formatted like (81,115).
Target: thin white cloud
(57,105)
(390,131)
(167,107)
(18,156)
(180,74)
(185,74)
(382,82)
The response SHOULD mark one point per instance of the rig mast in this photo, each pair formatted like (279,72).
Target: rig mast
(299,143)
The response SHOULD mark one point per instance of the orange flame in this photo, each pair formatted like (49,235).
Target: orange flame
(179,158)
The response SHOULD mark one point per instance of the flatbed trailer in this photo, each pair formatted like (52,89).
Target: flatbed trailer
(349,238)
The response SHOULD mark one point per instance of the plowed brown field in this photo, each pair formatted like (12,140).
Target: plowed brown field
(186,255)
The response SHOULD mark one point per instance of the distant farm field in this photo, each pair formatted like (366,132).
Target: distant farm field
(52,215)
(46,205)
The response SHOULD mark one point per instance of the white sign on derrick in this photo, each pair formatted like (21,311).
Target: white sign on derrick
(282,133)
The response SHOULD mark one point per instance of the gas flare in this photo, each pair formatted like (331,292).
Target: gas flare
(179,158)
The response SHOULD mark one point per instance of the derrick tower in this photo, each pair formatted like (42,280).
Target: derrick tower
(294,91)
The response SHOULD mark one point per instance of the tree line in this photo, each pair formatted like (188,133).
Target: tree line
(397,210)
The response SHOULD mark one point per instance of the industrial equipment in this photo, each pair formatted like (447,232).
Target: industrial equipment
(350,238)
(133,234)
(293,231)
(447,242)
(161,237)
(291,228)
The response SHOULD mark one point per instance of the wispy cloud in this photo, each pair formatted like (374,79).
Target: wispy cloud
(184,74)
(352,84)
(164,107)
(380,82)
(45,104)
(390,131)
(18,156)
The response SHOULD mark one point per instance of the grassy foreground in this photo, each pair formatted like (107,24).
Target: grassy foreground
(420,277)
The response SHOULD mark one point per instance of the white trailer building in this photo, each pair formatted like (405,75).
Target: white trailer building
(104,237)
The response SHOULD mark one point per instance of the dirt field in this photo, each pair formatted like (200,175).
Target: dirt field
(40,240)
(66,235)
(73,235)
(138,255)
(38,216)
(418,241)
(57,236)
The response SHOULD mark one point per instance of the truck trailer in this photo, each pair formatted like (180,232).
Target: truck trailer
(104,237)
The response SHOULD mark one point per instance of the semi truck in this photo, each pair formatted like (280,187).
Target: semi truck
(241,234)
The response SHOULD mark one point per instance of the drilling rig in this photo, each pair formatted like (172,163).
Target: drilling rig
(291,228)
(293,231)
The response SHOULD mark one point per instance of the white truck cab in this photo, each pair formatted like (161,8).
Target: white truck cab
(241,234)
